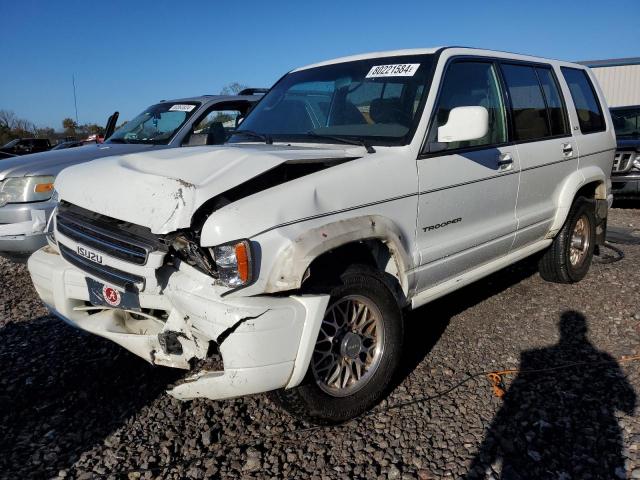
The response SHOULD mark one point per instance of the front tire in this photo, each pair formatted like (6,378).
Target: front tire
(356,354)
(569,257)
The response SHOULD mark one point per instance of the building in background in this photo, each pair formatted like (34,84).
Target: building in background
(619,79)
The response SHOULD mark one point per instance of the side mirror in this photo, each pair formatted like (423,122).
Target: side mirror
(465,123)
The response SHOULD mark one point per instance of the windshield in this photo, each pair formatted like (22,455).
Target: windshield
(377,100)
(12,143)
(626,121)
(62,146)
(156,125)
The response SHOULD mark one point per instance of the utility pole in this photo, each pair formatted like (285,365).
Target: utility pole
(75,103)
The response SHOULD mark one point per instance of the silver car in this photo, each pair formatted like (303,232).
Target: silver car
(26,183)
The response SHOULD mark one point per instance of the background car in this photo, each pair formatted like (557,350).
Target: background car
(72,144)
(625,176)
(26,183)
(25,146)
(4,155)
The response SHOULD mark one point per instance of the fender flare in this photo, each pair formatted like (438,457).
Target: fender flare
(294,260)
(568,190)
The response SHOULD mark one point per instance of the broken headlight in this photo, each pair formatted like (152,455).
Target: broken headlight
(189,252)
(234,263)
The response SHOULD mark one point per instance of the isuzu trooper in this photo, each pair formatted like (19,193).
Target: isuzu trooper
(356,189)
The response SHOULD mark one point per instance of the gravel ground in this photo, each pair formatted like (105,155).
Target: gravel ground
(77,406)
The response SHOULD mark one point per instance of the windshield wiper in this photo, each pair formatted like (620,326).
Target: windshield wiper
(360,142)
(250,133)
(117,140)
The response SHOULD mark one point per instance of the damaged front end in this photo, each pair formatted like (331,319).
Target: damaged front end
(131,264)
(231,346)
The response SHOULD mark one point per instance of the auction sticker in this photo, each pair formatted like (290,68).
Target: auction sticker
(182,107)
(397,70)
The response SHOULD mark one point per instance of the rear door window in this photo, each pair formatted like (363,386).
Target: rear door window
(584,97)
(226,118)
(214,128)
(528,105)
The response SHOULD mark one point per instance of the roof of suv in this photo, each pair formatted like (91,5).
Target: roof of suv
(212,98)
(421,51)
(364,56)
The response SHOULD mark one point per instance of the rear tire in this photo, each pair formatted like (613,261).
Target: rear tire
(569,257)
(356,354)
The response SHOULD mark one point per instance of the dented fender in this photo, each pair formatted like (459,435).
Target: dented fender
(294,259)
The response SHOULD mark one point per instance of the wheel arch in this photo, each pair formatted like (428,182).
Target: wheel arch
(590,182)
(371,240)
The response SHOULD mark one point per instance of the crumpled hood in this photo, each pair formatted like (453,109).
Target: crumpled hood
(162,190)
(53,161)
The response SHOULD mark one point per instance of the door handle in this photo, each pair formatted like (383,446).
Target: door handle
(567,148)
(505,159)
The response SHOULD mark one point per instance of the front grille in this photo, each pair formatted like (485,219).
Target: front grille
(112,237)
(102,240)
(623,161)
(129,282)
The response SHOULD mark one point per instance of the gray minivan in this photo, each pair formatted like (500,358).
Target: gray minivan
(26,183)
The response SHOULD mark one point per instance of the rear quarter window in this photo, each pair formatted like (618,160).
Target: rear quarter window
(555,106)
(585,100)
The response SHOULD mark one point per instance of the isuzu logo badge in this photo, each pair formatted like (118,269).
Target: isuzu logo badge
(89,255)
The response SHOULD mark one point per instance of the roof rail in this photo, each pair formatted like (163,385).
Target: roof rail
(253,91)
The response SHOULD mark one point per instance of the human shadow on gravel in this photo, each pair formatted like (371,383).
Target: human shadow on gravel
(425,325)
(62,392)
(560,423)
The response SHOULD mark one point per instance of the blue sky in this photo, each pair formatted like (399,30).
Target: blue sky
(127,55)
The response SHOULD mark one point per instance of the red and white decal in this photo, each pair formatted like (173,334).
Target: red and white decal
(111,296)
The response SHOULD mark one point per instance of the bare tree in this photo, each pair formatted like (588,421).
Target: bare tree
(13,127)
(7,118)
(23,127)
(232,88)
(45,132)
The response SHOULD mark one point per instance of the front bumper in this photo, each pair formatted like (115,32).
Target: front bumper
(17,247)
(265,342)
(625,186)
(22,228)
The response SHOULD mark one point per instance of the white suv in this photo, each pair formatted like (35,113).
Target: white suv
(355,189)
